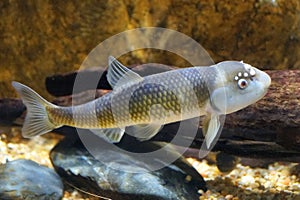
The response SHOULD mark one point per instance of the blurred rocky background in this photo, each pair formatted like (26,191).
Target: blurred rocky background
(41,38)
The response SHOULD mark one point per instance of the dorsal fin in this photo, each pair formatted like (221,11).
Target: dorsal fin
(118,74)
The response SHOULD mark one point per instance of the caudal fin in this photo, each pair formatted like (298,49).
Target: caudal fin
(36,121)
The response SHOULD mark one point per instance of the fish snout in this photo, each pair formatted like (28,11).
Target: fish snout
(265,79)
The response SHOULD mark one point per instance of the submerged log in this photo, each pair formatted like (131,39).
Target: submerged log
(62,84)
(10,110)
(270,128)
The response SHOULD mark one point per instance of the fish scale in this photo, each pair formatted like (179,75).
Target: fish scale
(154,90)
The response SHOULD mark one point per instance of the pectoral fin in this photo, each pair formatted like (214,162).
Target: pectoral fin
(144,131)
(112,135)
(211,130)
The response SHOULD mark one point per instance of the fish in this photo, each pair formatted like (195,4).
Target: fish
(140,106)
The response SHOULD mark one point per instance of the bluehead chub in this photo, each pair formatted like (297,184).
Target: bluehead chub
(140,106)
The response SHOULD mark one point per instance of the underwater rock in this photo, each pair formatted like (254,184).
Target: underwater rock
(81,170)
(25,179)
(225,162)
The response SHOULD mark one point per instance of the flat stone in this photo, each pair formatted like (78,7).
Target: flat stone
(79,168)
(25,179)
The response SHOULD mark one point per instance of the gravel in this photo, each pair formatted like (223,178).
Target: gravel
(278,181)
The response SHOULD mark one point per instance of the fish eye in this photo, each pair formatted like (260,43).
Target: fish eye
(242,83)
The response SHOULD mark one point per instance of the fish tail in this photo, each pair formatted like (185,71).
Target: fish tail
(37,121)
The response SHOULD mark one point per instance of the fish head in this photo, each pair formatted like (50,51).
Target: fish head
(238,86)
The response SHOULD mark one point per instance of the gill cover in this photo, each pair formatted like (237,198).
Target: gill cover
(215,117)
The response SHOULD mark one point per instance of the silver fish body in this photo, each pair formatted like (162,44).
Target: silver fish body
(170,96)
(141,105)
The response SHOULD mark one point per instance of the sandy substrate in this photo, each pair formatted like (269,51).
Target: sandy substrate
(278,181)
